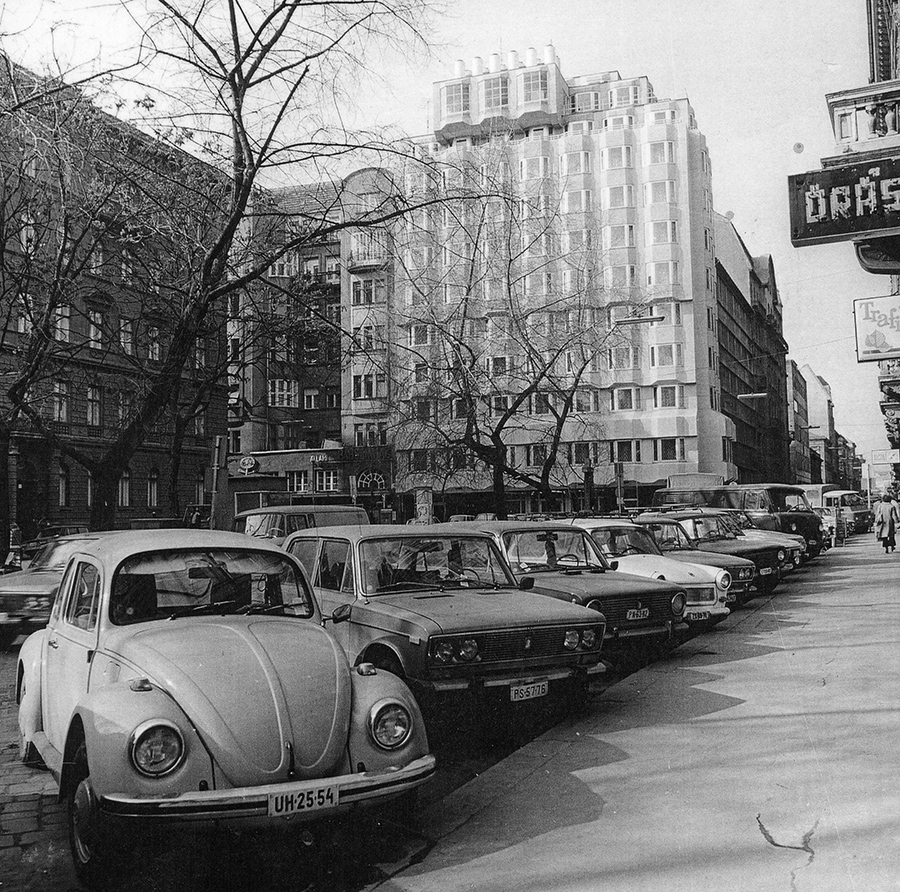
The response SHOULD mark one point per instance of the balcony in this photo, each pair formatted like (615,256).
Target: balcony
(866,119)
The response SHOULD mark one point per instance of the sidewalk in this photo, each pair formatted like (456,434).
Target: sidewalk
(763,756)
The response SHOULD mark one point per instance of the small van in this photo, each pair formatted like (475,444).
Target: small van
(277,521)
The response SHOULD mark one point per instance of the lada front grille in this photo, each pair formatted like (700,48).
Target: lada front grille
(615,608)
(521,644)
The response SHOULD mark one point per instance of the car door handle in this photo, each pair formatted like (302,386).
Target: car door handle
(53,642)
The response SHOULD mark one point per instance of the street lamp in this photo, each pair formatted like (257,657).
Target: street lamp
(636,320)
(748,397)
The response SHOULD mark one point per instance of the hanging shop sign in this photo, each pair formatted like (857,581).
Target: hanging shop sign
(847,202)
(877,321)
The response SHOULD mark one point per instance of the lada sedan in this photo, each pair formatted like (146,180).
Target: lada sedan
(566,564)
(742,524)
(439,607)
(712,533)
(185,677)
(636,552)
(672,540)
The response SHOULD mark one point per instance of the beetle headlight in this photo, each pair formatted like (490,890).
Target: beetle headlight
(390,724)
(723,580)
(678,603)
(156,748)
(571,640)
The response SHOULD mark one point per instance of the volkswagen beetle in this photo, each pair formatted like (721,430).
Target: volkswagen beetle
(185,677)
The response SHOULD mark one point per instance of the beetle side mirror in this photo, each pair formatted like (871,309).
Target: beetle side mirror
(613,565)
(341,613)
(526,583)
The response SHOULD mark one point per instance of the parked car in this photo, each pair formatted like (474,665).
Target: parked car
(711,533)
(27,595)
(567,564)
(674,542)
(635,550)
(438,606)
(794,545)
(47,534)
(185,678)
(277,521)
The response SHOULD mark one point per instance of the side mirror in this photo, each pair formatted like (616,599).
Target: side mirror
(341,613)
(613,565)
(526,583)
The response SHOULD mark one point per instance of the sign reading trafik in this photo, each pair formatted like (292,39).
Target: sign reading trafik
(847,202)
(877,328)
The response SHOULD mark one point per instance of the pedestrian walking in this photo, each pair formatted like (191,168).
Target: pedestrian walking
(886,519)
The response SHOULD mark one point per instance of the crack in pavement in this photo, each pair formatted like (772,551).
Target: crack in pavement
(805,847)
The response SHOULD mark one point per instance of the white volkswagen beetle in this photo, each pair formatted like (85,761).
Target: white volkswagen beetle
(636,551)
(185,677)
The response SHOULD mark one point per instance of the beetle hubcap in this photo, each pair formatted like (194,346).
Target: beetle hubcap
(83,821)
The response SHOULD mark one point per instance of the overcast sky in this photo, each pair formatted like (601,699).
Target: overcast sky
(756,73)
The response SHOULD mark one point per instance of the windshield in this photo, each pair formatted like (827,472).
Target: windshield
(542,550)
(732,523)
(706,529)
(170,584)
(417,563)
(55,555)
(669,536)
(616,542)
(789,500)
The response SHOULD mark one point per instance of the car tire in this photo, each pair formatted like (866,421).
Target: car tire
(94,853)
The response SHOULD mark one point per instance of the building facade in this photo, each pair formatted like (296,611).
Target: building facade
(801,462)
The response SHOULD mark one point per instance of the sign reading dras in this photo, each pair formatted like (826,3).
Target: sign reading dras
(877,328)
(842,203)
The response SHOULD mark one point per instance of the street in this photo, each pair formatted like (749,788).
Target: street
(759,756)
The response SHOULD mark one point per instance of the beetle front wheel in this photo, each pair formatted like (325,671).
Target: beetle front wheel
(87,836)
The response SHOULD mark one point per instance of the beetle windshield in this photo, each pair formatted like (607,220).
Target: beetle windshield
(417,563)
(542,550)
(173,583)
(616,542)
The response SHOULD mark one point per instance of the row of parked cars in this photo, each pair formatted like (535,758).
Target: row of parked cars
(196,676)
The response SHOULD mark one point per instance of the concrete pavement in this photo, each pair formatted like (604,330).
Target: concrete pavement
(763,756)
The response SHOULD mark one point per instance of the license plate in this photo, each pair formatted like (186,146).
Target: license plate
(643,613)
(730,597)
(518,692)
(811,541)
(765,571)
(697,615)
(285,803)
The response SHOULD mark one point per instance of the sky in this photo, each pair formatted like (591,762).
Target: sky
(755,71)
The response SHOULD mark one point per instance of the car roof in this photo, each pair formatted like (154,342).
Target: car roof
(585,522)
(502,526)
(124,543)
(299,509)
(390,530)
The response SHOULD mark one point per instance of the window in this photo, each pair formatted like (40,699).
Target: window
(60,324)
(538,454)
(620,276)
(708,239)
(28,234)
(660,192)
(541,403)
(64,487)
(581,102)
(663,273)
(125,400)
(326,481)
(125,489)
(420,373)
(671,313)
(624,399)
(95,329)
(579,127)
(420,335)
(154,346)
(200,486)
(152,488)
(234,441)
(620,122)
(24,318)
(577,201)
(665,355)
(625,450)
(94,406)
(311,398)
(60,401)
(367,291)
(668,449)
(368,386)
(284,393)
(126,336)
(623,96)
(662,117)
(499,404)
(668,396)
(84,602)
(423,410)
(619,236)
(499,365)
(534,168)
(576,162)
(659,153)
(200,355)
(617,157)
(621,357)
(419,460)
(663,232)
(495,93)
(298,481)
(620,196)
(127,266)
(534,86)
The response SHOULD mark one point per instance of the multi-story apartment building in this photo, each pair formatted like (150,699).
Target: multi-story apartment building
(798,419)
(507,311)
(822,434)
(751,350)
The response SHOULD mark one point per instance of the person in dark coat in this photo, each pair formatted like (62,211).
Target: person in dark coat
(886,519)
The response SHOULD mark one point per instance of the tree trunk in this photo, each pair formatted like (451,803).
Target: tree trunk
(499,486)
(105,497)
(4,492)
(175,508)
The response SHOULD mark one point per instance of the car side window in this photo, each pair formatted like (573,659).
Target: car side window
(332,564)
(61,592)
(305,552)
(84,598)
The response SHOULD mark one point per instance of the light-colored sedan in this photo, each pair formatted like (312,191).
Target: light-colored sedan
(185,677)
(637,553)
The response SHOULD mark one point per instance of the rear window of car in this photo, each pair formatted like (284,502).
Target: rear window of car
(174,583)
(269,524)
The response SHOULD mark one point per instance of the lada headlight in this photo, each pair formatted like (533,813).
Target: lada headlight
(589,639)
(390,724)
(723,580)
(443,651)
(782,554)
(157,748)
(468,650)
(678,603)
(572,639)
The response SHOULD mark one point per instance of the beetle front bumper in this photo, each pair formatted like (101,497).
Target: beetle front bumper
(249,806)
